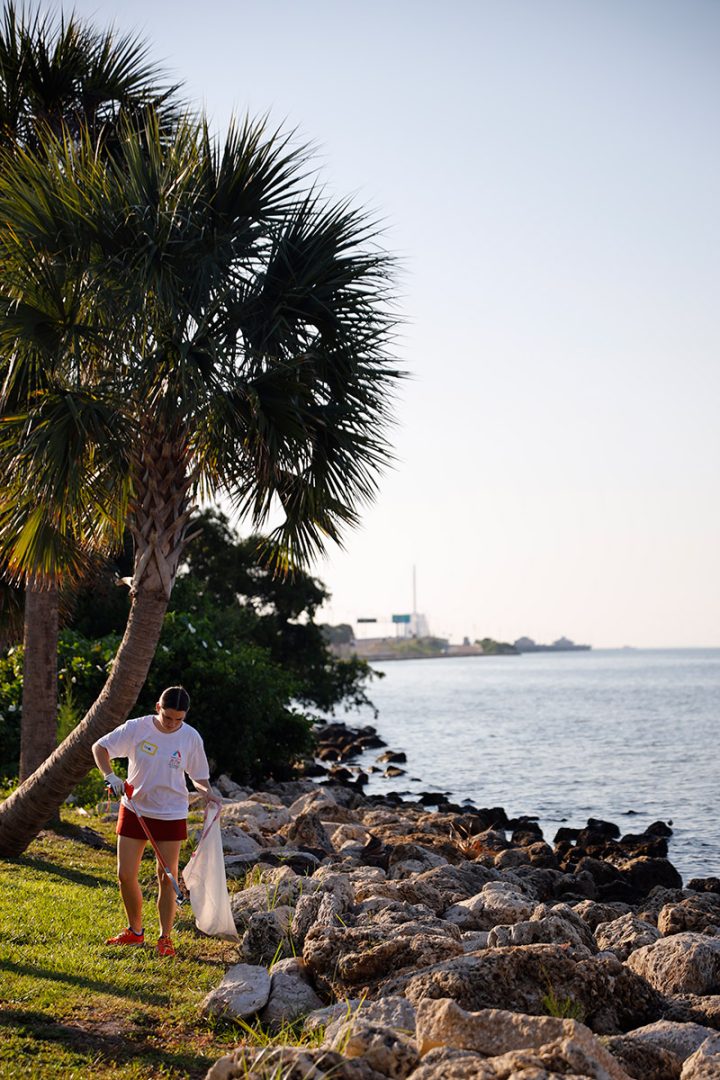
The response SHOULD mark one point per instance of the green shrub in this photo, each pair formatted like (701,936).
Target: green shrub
(241,700)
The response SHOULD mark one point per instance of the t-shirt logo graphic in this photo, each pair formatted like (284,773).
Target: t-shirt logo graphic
(176,760)
(148,747)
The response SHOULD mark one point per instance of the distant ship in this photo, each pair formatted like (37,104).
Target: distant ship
(563,644)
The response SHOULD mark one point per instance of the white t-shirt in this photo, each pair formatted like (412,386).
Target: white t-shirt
(157,763)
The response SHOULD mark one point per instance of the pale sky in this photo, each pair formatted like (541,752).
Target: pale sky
(549,173)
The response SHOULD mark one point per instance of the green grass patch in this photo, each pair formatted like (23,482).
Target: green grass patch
(73,1007)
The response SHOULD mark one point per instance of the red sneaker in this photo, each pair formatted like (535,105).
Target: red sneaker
(165,946)
(127,937)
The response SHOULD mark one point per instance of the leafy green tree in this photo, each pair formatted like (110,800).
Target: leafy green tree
(227,579)
(180,318)
(241,700)
(63,75)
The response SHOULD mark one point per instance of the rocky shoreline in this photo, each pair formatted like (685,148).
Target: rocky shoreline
(457,943)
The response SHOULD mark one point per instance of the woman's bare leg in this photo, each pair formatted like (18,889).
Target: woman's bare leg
(170,851)
(129,854)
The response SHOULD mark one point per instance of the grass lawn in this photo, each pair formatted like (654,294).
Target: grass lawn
(73,1007)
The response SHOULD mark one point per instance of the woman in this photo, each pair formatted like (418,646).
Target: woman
(161,750)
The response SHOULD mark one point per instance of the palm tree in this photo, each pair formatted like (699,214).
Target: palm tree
(64,75)
(185,318)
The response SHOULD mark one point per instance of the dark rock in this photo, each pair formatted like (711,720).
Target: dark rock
(525,833)
(312,768)
(659,828)
(341,774)
(645,844)
(302,862)
(644,874)
(329,753)
(576,887)
(494,817)
(396,757)
(605,828)
(542,855)
(566,835)
(431,798)
(540,879)
(375,853)
(602,873)
(707,884)
(392,771)
(491,840)
(618,892)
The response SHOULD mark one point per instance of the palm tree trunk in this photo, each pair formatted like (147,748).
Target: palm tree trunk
(160,515)
(38,730)
(36,801)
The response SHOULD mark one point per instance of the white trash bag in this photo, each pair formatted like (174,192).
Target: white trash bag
(205,879)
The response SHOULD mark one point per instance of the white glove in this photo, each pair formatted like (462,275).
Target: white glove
(115,783)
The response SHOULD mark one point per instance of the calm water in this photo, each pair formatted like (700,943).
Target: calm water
(629,736)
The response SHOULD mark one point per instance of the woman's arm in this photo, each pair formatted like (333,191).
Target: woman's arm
(102,759)
(203,786)
(104,764)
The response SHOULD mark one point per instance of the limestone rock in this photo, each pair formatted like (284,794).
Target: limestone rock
(644,1060)
(237,842)
(623,936)
(494,1032)
(229,789)
(250,813)
(385,1049)
(290,1063)
(475,940)
(448,1064)
(455,883)
(343,834)
(291,995)
(316,800)
(567,1057)
(697,913)
(505,860)
(656,900)
(308,831)
(682,1040)
(696,1008)
(606,994)
(593,913)
(244,990)
(704,1064)
(498,904)
(680,964)
(266,935)
(391,1012)
(552,929)
(350,956)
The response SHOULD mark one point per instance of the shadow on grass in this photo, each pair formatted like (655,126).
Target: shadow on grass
(120,1045)
(76,876)
(136,993)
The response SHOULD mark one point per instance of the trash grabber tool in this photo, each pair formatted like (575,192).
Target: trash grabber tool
(166,869)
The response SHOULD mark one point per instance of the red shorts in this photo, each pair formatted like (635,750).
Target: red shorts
(161,829)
